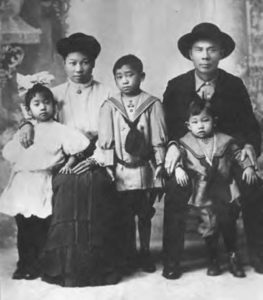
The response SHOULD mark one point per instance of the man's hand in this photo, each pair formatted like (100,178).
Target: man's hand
(26,135)
(181,176)
(249,175)
(172,156)
(248,151)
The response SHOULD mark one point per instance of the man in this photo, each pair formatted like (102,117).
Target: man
(205,46)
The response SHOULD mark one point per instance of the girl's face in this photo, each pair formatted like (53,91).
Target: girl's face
(128,80)
(79,67)
(41,108)
(201,125)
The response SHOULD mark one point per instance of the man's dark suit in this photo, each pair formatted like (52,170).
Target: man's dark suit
(232,106)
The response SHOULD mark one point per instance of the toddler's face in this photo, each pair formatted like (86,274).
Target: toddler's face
(128,80)
(201,125)
(41,108)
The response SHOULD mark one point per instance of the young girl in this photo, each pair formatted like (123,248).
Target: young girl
(207,161)
(132,135)
(29,191)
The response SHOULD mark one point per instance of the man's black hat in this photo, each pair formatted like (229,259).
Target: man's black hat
(206,31)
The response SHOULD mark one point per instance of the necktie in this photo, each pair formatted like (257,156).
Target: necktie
(206,90)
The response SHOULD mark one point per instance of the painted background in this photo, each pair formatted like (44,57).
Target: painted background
(147,28)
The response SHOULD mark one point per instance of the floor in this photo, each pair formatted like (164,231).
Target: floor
(193,285)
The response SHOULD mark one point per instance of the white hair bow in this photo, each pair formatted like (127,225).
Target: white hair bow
(25,82)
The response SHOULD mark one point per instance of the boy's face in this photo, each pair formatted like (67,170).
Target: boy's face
(79,67)
(41,108)
(128,80)
(201,125)
(205,55)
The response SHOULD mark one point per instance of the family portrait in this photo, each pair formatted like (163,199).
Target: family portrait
(131,159)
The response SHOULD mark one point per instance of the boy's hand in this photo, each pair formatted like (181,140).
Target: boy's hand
(181,176)
(110,173)
(159,172)
(249,175)
(65,170)
(26,135)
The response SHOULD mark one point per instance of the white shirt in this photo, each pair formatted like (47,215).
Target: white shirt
(79,104)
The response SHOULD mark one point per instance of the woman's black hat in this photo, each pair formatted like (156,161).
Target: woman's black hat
(79,42)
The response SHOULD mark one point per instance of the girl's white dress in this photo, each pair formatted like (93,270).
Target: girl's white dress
(29,190)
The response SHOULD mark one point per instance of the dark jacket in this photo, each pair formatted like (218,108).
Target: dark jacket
(230,103)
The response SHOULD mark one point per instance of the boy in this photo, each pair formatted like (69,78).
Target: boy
(132,135)
(208,157)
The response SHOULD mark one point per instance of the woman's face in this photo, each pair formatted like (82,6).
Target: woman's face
(79,67)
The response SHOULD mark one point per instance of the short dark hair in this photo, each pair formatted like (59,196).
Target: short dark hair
(197,105)
(133,61)
(38,89)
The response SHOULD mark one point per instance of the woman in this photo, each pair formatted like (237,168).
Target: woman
(81,245)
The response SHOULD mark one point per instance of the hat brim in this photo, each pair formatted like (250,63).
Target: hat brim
(186,42)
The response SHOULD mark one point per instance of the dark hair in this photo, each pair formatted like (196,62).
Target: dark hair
(38,89)
(197,105)
(79,42)
(131,60)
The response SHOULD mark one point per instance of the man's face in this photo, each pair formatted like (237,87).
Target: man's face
(205,55)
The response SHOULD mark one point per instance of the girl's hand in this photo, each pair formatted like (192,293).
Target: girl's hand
(65,170)
(26,135)
(249,175)
(172,157)
(181,176)
(84,166)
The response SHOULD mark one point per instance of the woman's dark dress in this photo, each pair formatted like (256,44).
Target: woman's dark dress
(82,245)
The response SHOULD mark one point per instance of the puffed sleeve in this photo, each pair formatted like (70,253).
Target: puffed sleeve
(73,141)
(106,133)
(13,149)
(158,132)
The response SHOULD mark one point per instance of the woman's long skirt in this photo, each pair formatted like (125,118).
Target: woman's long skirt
(82,247)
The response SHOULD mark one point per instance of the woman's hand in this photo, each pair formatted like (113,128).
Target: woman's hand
(181,176)
(249,175)
(26,135)
(84,166)
(172,157)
